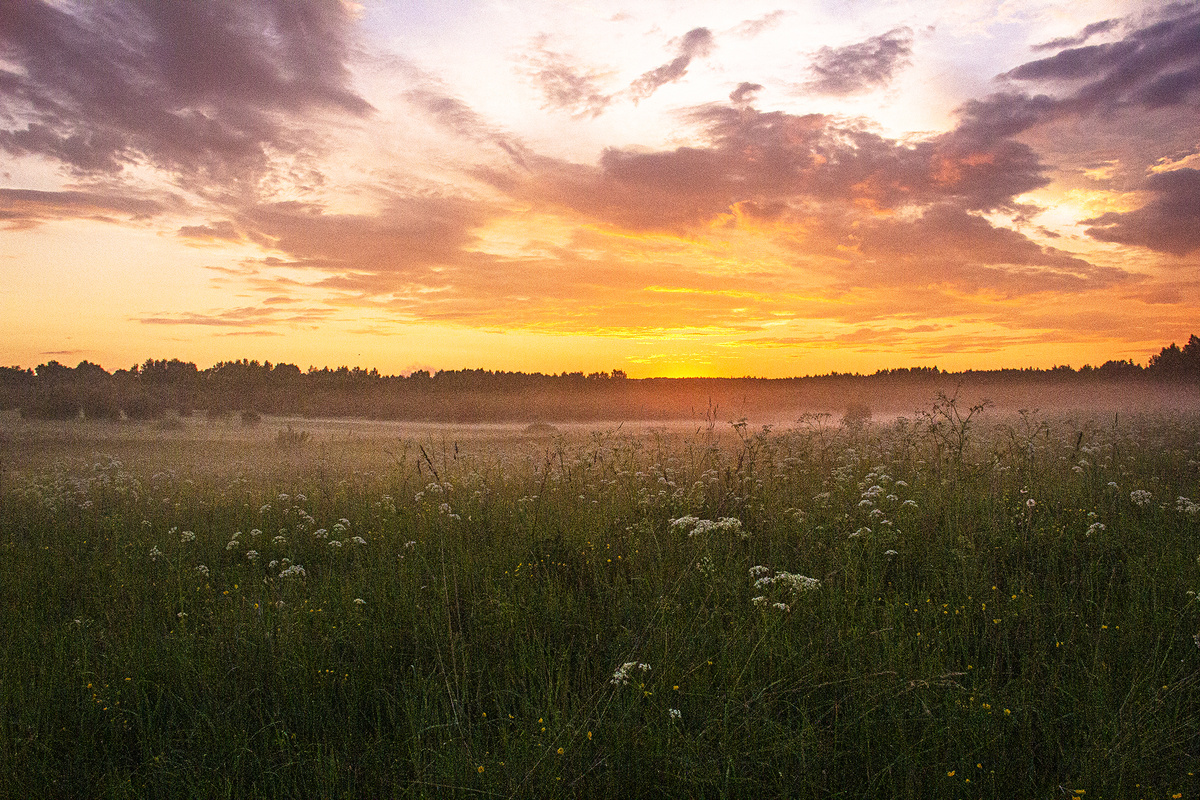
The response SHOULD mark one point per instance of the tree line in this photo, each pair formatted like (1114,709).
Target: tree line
(249,388)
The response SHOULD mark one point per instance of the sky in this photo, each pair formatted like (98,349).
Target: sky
(667,188)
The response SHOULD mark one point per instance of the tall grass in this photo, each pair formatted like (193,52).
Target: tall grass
(997,610)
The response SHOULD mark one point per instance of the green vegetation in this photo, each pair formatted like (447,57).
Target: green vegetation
(948,605)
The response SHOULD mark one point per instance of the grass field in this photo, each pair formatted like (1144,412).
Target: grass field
(948,605)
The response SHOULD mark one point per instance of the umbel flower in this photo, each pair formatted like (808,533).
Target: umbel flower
(621,676)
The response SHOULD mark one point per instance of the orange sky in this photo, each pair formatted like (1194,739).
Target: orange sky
(670,189)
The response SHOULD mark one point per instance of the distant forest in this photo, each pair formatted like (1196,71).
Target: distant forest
(244,390)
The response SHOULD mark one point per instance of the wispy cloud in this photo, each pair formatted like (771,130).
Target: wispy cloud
(862,66)
(696,43)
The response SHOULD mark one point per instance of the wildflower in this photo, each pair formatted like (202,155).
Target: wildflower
(182,615)
(187,536)
(621,675)
(281,539)
(334,543)
(264,508)
(358,601)
(358,540)
(1095,527)
(890,553)
(860,532)
(252,555)
(255,532)
(1030,503)
(155,553)
(203,570)
(321,533)
(759,571)
(1140,497)
(674,713)
(784,607)
(294,571)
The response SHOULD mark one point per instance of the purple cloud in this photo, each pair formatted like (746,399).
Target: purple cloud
(862,66)
(202,88)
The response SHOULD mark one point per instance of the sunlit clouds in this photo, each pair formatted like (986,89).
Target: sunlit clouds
(668,190)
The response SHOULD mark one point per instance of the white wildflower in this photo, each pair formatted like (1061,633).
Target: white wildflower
(334,543)
(155,553)
(358,540)
(759,571)
(187,536)
(294,571)
(280,539)
(358,601)
(1095,527)
(890,553)
(621,675)
(252,555)
(255,532)
(264,508)
(1030,503)
(203,570)
(1140,497)
(784,607)
(674,714)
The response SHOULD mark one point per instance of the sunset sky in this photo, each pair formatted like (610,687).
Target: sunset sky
(668,188)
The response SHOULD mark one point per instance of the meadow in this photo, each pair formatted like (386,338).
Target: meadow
(952,604)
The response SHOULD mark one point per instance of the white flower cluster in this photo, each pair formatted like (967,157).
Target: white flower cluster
(1095,527)
(155,553)
(793,585)
(1187,506)
(294,571)
(187,536)
(203,570)
(621,676)
(694,526)
(1140,497)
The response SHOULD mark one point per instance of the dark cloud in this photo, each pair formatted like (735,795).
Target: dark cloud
(1170,223)
(206,88)
(744,93)
(23,208)
(1088,32)
(696,43)
(764,163)
(567,86)
(1154,67)
(860,67)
